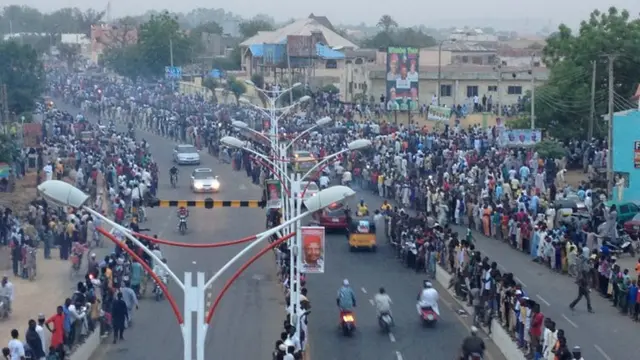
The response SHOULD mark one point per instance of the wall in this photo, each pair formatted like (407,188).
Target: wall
(427,57)
(626,131)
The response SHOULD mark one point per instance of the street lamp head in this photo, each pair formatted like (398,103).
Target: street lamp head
(249,82)
(244,100)
(304,98)
(232,141)
(328,196)
(359,144)
(62,193)
(323,121)
(239,124)
(295,85)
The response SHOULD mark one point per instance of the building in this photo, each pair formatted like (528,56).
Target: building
(103,36)
(329,41)
(218,45)
(474,35)
(464,52)
(626,154)
(460,83)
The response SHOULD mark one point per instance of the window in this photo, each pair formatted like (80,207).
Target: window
(492,88)
(331,64)
(445,90)
(624,208)
(465,59)
(476,60)
(472,91)
(514,90)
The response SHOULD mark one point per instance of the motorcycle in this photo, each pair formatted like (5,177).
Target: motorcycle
(347,323)
(385,321)
(428,316)
(157,291)
(621,245)
(474,356)
(182,226)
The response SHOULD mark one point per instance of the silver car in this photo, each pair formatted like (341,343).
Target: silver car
(203,180)
(186,155)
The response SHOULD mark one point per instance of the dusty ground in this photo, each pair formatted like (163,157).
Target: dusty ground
(574,177)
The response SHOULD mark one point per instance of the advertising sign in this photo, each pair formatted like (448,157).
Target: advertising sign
(32,134)
(274,193)
(313,249)
(636,154)
(520,137)
(403,83)
(173,72)
(438,113)
(300,46)
(274,55)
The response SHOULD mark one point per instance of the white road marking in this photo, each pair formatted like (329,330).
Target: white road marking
(363,290)
(604,354)
(242,187)
(392,338)
(543,300)
(399,355)
(193,262)
(520,281)
(569,321)
(371,302)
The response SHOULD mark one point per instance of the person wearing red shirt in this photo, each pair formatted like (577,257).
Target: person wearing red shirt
(537,322)
(57,333)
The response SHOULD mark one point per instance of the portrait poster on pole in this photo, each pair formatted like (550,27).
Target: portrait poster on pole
(274,194)
(313,250)
(403,79)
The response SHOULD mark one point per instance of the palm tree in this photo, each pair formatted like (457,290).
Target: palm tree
(211,84)
(386,23)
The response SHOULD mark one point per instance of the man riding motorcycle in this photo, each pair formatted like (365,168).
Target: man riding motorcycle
(173,173)
(183,212)
(472,346)
(161,272)
(346,298)
(383,303)
(428,297)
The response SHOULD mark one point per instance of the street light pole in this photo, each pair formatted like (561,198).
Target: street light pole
(65,194)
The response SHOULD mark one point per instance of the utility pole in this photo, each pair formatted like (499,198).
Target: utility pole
(173,81)
(499,69)
(533,95)
(592,118)
(610,179)
(5,108)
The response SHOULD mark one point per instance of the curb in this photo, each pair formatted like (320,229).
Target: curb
(88,348)
(497,334)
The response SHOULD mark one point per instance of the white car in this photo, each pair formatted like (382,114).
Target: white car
(312,189)
(185,155)
(203,180)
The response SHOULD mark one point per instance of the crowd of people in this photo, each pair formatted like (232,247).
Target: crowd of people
(459,177)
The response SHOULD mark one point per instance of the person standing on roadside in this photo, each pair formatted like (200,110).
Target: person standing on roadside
(583,291)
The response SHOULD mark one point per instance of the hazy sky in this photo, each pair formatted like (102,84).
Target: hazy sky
(356,11)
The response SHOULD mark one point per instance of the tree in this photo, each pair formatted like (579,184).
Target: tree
(23,73)
(69,53)
(159,39)
(126,61)
(258,81)
(123,33)
(236,87)
(7,149)
(400,37)
(387,24)
(252,27)
(563,103)
(211,84)
(209,27)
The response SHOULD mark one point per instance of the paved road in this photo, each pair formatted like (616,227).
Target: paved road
(252,309)
(366,273)
(603,335)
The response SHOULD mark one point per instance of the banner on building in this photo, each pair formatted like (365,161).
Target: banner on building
(300,46)
(520,137)
(439,113)
(274,193)
(403,84)
(313,249)
(274,55)
(636,154)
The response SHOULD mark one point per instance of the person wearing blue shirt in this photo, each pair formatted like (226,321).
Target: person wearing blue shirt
(346,297)
(631,299)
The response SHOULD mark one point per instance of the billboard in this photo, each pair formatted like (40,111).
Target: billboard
(274,194)
(274,55)
(313,250)
(300,46)
(32,135)
(439,113)
(403,64)
(520,137)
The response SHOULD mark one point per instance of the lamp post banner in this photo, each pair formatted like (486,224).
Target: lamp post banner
(313,249)
(274,193)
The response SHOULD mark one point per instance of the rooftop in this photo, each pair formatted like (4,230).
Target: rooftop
(468,72)
(462,46)
(299,27)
